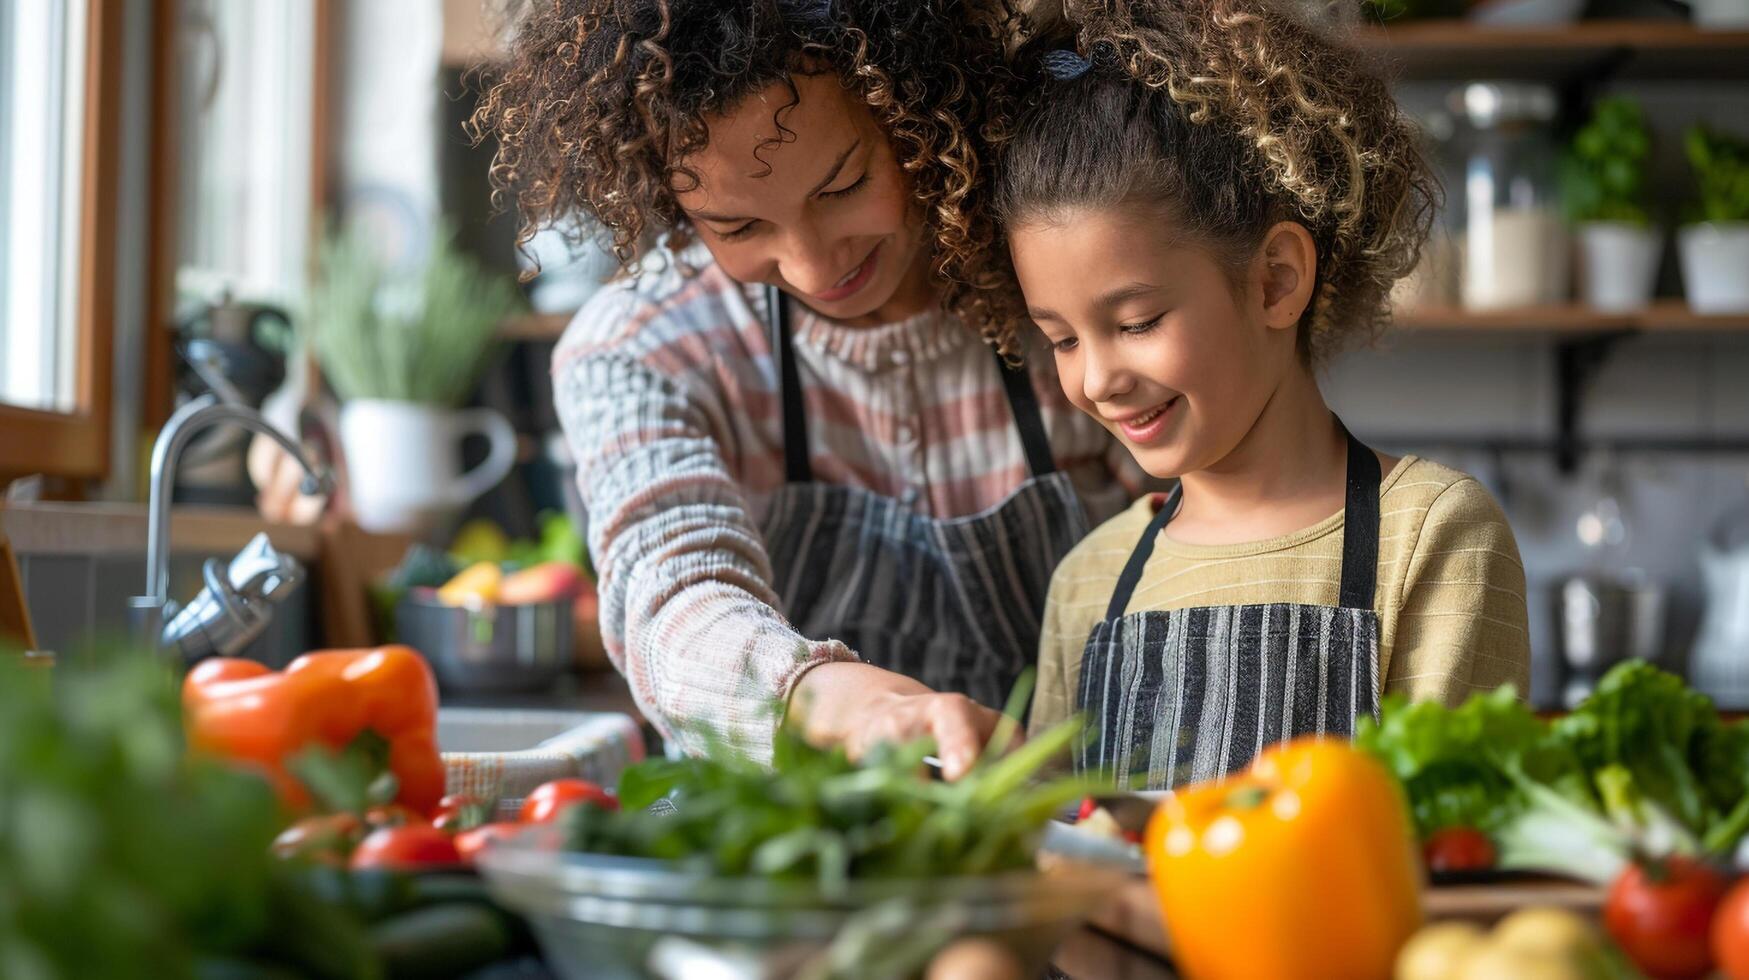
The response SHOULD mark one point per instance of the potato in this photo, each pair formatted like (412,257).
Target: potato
(1437,951)
(1545,929)
(974,959)
(1501,962)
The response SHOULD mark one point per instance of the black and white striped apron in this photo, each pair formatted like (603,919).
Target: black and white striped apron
(954,603)
(1191,694)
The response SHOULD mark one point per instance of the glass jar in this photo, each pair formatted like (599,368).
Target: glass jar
(1514,242)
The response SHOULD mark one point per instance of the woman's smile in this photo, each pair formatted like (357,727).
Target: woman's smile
(854,280)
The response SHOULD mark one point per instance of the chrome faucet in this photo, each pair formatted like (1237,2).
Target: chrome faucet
(233,609)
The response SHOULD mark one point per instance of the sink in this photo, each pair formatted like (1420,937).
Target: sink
(505,753)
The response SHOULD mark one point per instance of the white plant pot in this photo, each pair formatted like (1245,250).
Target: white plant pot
(1715,266)
(1618,265)
(1720,15)
(404,462)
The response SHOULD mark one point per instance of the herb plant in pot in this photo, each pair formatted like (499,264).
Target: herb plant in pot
(404,351)
(1715,250)
(1605,188)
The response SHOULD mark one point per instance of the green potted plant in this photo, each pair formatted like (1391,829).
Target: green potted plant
(1605,188)
(403,351)
(1715,249)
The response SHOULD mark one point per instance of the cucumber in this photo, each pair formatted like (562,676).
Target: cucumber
(234,968)
(444,940)
(437,889)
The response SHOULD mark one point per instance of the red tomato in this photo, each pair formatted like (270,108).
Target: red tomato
(406,848)
(1458,849)
(549,798)
(1087,807)
(392,815)
(1660,913)
(1730,932)
(325,838)
(459,811)
(469,843)
(455,803)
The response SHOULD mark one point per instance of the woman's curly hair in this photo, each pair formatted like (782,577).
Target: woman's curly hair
(602,101)
(1231,115)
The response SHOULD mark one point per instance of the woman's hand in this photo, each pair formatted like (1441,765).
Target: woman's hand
(860,706)
(278,480)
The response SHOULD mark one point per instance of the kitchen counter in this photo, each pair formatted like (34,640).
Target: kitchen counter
(602,690)
(1090,954)
(1087,954)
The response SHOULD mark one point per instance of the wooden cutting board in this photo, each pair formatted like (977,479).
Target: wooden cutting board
(1133,915)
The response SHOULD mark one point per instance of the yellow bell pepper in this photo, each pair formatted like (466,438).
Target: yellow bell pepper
(1301,867)
(476,584)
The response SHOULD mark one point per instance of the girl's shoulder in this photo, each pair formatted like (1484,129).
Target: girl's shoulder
(1420,482)
(1424,497)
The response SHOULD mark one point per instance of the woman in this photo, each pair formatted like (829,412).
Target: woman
(809,484)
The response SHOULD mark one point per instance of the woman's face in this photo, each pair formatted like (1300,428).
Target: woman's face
(827,216)
(1151,336)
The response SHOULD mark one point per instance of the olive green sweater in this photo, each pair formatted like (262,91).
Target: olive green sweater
(1450,594)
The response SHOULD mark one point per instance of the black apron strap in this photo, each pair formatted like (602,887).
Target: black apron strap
(796,467)
(1360,535)
(1360,528)
(1023,402)
(1132,571)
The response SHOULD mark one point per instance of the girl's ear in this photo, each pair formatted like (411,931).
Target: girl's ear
(1287,271)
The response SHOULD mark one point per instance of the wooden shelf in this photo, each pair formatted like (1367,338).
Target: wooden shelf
(1435,49)
(1664,316)
(1458,49)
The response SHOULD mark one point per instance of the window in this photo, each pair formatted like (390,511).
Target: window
(245,94)
(41,110)
(60,71)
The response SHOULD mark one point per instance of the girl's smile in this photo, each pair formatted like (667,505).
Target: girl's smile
(1142,428)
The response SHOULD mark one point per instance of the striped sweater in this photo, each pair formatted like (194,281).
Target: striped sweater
(666,388)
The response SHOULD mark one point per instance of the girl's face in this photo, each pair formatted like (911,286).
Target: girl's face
(1153,337)
(826,216)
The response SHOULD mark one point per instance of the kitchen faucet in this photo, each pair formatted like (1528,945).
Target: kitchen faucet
(236,604)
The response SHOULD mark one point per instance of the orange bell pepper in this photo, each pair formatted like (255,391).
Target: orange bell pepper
(1301,867)
(242,711)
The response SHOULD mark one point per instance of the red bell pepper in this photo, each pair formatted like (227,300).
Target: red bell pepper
(243,711)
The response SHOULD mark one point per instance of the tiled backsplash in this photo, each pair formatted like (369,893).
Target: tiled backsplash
(81,563)
(75,597)
(1420,387)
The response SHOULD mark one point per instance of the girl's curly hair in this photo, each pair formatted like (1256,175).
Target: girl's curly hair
(1230,115)
(602,101)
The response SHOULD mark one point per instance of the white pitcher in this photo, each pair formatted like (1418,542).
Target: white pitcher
(404,464)
(1719,665)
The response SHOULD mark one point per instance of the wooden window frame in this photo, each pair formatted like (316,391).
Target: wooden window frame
(157,390)
(76,444)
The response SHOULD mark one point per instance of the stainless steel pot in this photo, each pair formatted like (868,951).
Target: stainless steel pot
(1601,621)
(489,649)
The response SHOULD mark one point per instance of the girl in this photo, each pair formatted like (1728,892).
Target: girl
(1206,200)
(808,482)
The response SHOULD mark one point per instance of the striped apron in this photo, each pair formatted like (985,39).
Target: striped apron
(1192,694)
(954,603)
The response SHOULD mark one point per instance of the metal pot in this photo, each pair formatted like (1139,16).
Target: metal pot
(489,648)
(1603,620)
